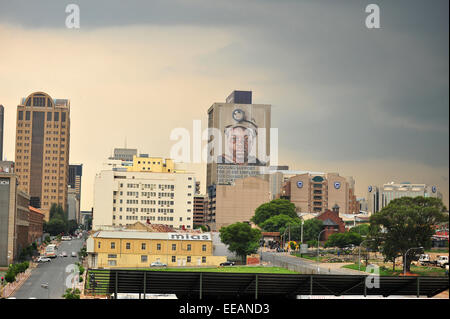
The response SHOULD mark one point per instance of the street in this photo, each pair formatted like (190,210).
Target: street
(52,273)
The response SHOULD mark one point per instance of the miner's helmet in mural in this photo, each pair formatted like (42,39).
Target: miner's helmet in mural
(240,140)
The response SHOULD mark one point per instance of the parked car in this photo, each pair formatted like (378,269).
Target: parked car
(74,254)
(43,259)
(158,264)
(442,261)
(227,263)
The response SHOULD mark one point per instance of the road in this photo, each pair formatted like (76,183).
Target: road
(52,273)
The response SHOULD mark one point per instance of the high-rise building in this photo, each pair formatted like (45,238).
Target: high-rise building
(200,209)
(151,190)
(380,197)
(2,118)
(42,149)
(315,193)
(238,148)
(14,216)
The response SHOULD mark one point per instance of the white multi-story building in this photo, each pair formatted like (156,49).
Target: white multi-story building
(380,197)
(124,195)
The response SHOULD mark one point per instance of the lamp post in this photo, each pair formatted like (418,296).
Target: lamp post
(318,241)
(404,260)
(359,255)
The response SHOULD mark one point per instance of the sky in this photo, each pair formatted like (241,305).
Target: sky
(367,103)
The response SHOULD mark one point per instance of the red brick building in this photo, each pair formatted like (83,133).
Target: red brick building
(35,225)
(332,223)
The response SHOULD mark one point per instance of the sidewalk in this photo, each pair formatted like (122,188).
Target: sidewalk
(9,290)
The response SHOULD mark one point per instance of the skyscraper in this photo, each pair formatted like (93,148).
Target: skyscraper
(42,149)
(2,115)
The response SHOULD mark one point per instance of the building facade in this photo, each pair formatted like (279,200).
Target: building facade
(138,249)
(2,118)
(42,149)
(380,197)
(229,204)
(200,209)
(316,193)
(36,224)
(125,194)
(14,218)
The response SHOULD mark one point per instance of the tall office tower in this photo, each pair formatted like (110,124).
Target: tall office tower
(2,116)
(42,150)
(75,173)
(238,148)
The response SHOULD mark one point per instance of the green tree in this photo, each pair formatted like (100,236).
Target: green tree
(72,293)
(240,239)
(311,229)
(279,223)
(273,208)
(406,223)
(72,226)
(362,229)
(56,226)
(343,239)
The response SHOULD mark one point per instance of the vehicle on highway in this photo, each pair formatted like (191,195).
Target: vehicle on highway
(227,263)
(50,251)
(66,238)
(43,259)
(74,254)
(158,264)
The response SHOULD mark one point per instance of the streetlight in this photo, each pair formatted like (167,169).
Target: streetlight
(318,240)
(45,286)
(359,255)
(404,260)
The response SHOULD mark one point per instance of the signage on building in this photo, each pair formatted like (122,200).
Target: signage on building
(370,189)
(299,184)
(4,181)
(186,236)
(337,185)
(433,189)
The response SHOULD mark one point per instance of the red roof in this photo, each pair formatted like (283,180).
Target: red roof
(35,210)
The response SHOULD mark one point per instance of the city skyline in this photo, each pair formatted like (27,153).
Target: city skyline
(371,114)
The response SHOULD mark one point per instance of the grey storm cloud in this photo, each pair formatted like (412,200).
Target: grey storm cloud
(349,91)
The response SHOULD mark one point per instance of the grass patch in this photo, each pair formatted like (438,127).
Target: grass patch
(231,269)
(419,270)
(310,257)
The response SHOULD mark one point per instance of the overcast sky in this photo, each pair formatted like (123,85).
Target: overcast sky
(370,103)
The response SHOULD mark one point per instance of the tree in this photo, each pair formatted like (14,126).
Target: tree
(342,240)
(240,239)
(273,208)
(72,293)
(362,229)
(72,226)
(56,226)
(279,223)
(311,229)
(406,223)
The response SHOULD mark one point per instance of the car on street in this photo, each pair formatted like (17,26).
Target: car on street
(63,254)
(227,263)
(74,254)
(158,264)
(43,259)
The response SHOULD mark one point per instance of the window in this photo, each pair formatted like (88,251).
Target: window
(174,259)
(143,258)
(203,247)
(112,263)
(188,259)
(112,256)
(189,247)
(99,244)
(20,115)
(143,246)
(56,117)
(128,245)
(158,246)
(113,245)
(203,259)
(27,115)
(174,246)
(63,117)
(49,116)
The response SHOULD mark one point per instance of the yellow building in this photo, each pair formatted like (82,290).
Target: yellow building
(138,249)
(153,165)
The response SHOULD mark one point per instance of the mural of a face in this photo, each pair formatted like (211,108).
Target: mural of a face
(239,143)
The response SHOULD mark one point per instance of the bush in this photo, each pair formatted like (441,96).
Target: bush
(10,276)
(81,269)
(72,293)
(312,243)
(81,279)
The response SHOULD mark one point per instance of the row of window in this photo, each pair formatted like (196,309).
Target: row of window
(144,259)
(55,116)
(144,246)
